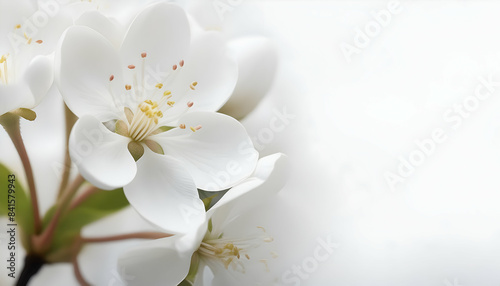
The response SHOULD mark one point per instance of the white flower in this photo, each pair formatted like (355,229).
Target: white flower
(25,72)
(256,55)
(167,261)
(257,60)
(157,96)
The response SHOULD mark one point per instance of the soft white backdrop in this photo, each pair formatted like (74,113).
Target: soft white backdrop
(354,119)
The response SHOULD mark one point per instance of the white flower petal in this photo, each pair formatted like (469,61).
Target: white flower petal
(101,156)
(85,61)
(158,262)
(257,63)
(218,156)
(210,65)
(267,180)
(39,76)
(164,193)
(162,31)
(104,25)
(13,96)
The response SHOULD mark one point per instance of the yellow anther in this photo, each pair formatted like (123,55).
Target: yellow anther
(128,87)
(182,126)
(27,38)
(18,26)
(171,103)
(193,85)
(167,93)
(159,86)
(3,59)
(194,129)
(148,101)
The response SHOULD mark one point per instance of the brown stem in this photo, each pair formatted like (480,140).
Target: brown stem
(78,274)
(70,121)
(80,199)
(137,235)
(11,124)
(43,241)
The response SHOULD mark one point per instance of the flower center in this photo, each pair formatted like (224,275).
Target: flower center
(145,120)
(232,252)
(154,101)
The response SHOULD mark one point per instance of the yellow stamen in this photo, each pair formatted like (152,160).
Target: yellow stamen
(159,86)
(28,39)
(193,85)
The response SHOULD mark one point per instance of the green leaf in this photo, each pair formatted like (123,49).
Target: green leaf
(185,283)
(210,225)
(23,210)
(193,271)
(210,198)
(94,208)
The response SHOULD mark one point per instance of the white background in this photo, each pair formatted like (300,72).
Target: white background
(441,226)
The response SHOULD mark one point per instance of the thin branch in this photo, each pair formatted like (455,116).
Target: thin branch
(70,121)
(137,235)
(78,274)
(44,240)
(85,195)
(11,124)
